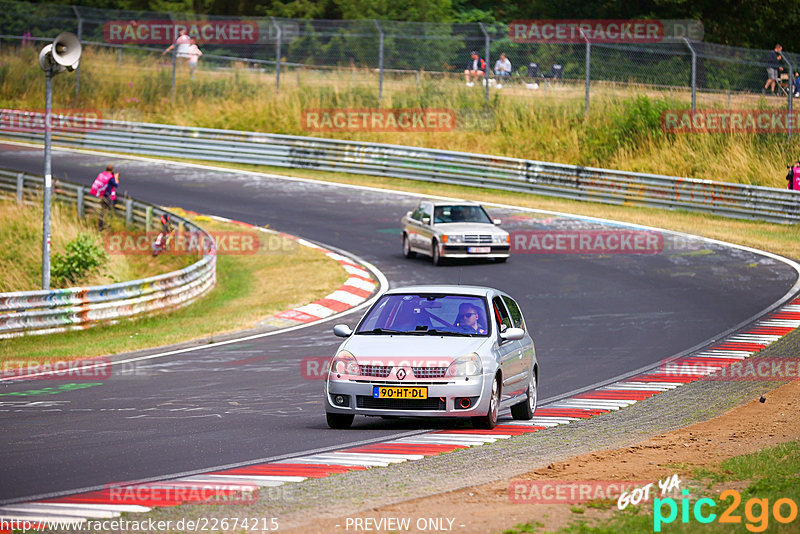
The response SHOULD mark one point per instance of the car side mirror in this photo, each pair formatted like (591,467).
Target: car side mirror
(409,214)
(426,220)
(342,330)
(512,334)
(497,222)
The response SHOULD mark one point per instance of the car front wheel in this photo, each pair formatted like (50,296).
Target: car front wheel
(437,259)
(339,420)
(407,252)
(489,421)
(525,409)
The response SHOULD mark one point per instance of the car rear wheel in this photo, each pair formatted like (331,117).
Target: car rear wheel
(339,420)
(437,259)
(489,421)
(525,409)
(407,252)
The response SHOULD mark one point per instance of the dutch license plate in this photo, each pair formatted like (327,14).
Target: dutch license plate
(479,250)
(387,392)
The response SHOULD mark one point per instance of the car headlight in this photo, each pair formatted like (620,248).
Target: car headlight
(345,363)
(453,238)
(467,365)
(501,238)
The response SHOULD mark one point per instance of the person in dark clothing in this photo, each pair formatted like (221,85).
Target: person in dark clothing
(476,67)
(109,196)
(794,176)
(774,67)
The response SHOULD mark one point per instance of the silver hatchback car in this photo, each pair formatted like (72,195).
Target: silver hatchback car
(446,229)
(434,351)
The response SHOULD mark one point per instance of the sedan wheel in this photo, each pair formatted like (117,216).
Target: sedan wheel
(525,409)
(437,259)
(407,252)
(339,420)
(489,421)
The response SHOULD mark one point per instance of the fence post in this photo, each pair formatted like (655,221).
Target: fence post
(174,57)
(80,35)
(20,186)
(486,69)
(694,72)
(80,201)
(148,218)
(277,56)
(128,211)
(791,97)
(380,60)
(587,68)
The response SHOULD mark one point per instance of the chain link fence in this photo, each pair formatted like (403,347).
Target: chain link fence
(371,52)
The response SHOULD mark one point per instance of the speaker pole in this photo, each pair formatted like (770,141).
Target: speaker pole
(48,179)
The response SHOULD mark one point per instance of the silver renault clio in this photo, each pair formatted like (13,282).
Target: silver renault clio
(434,351)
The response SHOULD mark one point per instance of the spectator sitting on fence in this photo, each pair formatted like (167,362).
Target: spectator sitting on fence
(774,59)
(475,68)
(194,54)
(502,69)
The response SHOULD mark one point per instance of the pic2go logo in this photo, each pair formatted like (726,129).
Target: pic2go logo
(756,511)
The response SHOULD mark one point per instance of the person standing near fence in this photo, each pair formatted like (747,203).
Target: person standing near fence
(194,53)
(774,59)
(181,45)
(105,188)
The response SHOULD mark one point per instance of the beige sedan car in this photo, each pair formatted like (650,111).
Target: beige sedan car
(446,229)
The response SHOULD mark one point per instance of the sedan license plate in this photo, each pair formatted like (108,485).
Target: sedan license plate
(479,250)
(386,392)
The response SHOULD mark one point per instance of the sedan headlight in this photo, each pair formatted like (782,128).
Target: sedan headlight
(453,238)
(345,363)
(501,238)
(467,365)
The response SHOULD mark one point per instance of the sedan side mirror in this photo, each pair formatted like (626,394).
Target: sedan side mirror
(342,330)
(512,334)
(426,220)
(497,222)
(409,214)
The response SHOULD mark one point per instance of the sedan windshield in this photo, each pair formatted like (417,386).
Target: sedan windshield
(445,315)
(460,214)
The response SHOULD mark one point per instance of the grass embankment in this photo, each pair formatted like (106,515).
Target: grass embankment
(755,483)
(623,129)
(21,249)
(281,275)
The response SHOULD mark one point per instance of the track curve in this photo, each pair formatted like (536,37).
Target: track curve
(594,317)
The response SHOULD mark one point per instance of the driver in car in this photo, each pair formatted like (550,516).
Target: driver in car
(467,319)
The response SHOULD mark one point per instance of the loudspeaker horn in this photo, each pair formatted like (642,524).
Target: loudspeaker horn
(66,50)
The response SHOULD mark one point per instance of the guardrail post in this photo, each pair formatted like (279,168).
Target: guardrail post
(380,60)
(148,218)
(277,56)
(80,35)
(20,186)
(128,211)
(486,70)
(694,72)
(79,191)
(791,97)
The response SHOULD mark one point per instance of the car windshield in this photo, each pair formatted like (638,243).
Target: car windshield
(460,214)
(426,314)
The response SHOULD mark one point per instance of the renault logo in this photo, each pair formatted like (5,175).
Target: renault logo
(401,373)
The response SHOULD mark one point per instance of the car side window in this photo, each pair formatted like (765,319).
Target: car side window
(426,211)
(417,215)
(501,316)
(514,312)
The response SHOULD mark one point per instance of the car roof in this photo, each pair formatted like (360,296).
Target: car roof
(440,202)
(478,291)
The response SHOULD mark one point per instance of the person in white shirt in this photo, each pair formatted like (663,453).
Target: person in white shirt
(502,69)
(193,53)
(182,44)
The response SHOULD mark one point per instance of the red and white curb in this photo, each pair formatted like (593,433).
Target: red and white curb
(224,483)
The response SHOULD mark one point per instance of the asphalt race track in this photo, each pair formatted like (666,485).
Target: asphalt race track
(594,317)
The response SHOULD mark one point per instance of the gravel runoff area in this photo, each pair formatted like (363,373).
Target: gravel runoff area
(305,503)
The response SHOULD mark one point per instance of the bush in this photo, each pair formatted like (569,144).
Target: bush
(82,257)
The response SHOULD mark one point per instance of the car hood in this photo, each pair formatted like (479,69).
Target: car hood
(469,228)
(392,348)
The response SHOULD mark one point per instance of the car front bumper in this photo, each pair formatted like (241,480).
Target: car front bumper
(463,251)
(441,400)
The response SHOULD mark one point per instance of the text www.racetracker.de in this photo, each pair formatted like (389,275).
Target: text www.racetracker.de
(200,524)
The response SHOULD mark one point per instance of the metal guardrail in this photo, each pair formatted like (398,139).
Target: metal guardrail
(460,168)
(57,310)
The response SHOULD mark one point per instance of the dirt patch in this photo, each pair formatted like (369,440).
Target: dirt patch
(488,508)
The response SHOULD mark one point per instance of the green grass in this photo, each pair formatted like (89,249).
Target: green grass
(249,288)
(770,474)
(622,131)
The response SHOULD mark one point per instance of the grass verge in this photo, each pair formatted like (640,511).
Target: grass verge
(249,288)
